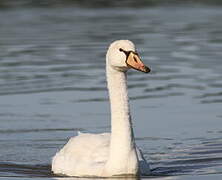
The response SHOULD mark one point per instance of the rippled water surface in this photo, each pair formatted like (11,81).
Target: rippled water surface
(52,84)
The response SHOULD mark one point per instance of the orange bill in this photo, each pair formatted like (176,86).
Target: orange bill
(133,60)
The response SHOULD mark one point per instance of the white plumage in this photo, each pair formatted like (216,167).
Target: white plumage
(115,153)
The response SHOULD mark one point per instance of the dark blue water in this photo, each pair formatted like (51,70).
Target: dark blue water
(52,84)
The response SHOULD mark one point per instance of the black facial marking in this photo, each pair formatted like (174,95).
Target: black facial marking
(127,53)
(120,49)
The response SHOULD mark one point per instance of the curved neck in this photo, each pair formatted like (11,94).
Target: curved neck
(121,125)
(122,155)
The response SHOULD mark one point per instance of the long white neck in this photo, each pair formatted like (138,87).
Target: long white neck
(122,156)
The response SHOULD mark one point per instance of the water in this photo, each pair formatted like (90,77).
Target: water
(52,84)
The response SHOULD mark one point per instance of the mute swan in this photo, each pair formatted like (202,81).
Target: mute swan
(115,153)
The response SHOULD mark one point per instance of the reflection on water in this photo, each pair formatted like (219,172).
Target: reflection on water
(117,178)
(52,79)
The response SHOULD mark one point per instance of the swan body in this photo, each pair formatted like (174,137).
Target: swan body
(115,153)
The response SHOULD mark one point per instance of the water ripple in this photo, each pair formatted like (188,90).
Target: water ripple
(16,131)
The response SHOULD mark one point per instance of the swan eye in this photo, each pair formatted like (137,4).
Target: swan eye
(121,50)
(135,59)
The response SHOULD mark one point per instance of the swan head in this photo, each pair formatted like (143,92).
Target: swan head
(122,55)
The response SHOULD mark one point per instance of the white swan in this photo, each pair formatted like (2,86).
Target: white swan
(114,154)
